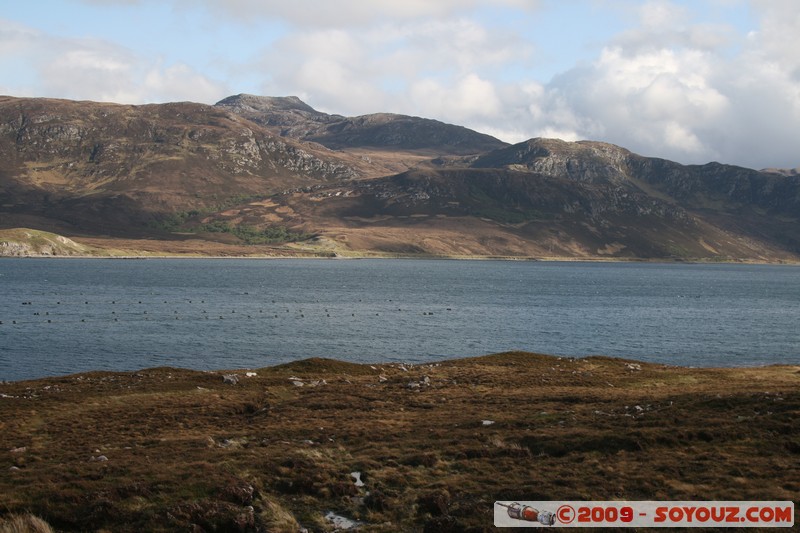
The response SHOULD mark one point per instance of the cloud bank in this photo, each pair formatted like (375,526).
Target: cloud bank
(94,69)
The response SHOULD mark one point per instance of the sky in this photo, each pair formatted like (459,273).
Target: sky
(689,80)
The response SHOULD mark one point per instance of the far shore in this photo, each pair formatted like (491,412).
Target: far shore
(24,242)
(357,256)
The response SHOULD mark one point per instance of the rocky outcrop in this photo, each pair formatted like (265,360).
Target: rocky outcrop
(32,243)
(579,161)
(692,186)
(294,118)
(715,185)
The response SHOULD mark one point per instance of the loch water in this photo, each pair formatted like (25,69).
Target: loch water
(62,316)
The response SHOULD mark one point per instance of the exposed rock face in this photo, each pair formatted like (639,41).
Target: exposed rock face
(692,185)
(579,161)
(16,249)
(265,105)
(29,243)
(736,187)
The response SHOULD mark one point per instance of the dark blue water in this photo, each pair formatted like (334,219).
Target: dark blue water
(74,315)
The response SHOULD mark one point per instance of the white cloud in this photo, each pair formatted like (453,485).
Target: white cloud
(93,69)
(775,38)
(663,90)
(657,14)
(15,38)
(656,103)
(348,13)
(432,68)
(180,82)
(98,71)
(469,98)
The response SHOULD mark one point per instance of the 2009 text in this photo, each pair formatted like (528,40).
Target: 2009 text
(645,514)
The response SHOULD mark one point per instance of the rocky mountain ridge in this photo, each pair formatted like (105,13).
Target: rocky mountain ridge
(274,170)
(296,119)
(692,185)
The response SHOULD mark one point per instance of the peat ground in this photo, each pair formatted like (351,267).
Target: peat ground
(178,450)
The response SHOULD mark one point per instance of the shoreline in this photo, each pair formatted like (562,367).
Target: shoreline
(28,243)
(423,257)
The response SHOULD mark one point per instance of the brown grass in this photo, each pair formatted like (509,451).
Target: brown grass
(186,450)
(24,524)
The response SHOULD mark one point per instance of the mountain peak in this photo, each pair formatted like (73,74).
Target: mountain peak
(579,160)
(254,103)
(296,119)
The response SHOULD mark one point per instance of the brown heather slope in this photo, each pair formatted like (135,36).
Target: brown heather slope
(112,169)
(174,450)
(254,171)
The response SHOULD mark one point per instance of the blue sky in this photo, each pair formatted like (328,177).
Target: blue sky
(693,81)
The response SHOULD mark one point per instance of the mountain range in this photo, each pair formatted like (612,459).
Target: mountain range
(255,175)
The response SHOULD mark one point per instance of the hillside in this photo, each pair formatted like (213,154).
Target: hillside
(112,169)
(383,131)
(25,242)
(252,171)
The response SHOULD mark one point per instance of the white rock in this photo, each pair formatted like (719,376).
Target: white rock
(357,477)
(487,422)
(341,522)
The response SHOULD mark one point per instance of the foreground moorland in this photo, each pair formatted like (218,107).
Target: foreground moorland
(274,449)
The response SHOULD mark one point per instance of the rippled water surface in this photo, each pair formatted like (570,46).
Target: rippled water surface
(62,316)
